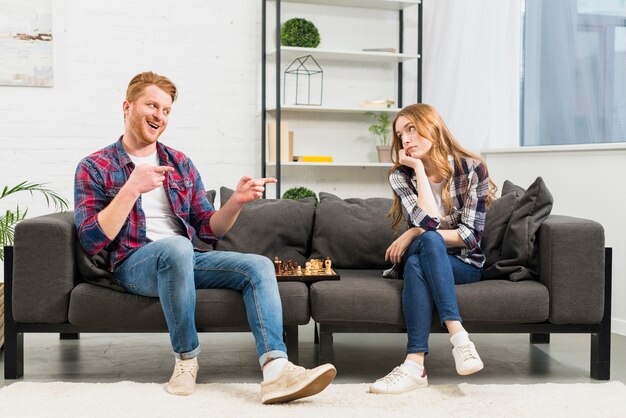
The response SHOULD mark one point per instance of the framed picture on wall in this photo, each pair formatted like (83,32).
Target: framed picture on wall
(26,43)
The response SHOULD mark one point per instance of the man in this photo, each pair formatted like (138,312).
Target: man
(144,202)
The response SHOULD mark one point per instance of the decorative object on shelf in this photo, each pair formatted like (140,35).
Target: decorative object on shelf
(377,104)
(12,217)
(390,50)
(381,129)
(286,142)
(300,33)
(297,193)
(313,158)
(307,68)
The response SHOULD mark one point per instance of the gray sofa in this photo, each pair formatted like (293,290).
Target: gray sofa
(563,284)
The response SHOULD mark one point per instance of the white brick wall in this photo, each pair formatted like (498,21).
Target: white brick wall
(211,50)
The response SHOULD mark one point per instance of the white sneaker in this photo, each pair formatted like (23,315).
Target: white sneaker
(183,380)
(400,380)
(466,359)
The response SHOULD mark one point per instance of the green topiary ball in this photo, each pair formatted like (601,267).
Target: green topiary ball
(297,193)
(299,32)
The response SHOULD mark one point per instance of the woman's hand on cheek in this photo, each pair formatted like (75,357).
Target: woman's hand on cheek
(406,159)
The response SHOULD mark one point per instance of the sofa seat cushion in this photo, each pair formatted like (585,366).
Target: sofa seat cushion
(362,296)
(102,308)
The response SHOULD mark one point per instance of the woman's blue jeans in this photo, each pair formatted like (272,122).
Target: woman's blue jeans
(430,274)
(171,270)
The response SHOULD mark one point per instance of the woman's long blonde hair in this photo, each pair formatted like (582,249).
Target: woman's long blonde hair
(430,125)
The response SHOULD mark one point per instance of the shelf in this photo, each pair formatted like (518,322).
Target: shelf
(369,4)
(291,52)
(327,109)
(388,165)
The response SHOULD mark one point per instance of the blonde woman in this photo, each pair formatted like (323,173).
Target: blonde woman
(443,192)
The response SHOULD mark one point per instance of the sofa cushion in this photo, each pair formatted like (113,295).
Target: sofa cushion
(362,296)
(354,233)
(271,227)
(519,257)
(498,216)
(95,306)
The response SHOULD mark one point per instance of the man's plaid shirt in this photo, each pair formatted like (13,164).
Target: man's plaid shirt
(468,192)
(100,176)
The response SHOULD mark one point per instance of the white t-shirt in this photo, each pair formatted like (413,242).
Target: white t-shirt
(437,189)
(161,222)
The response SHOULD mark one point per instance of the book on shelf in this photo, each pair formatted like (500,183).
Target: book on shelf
(391,50)
(377,104)
(286,142)
(313,158)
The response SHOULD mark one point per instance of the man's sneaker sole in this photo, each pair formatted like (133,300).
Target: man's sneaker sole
(311,387)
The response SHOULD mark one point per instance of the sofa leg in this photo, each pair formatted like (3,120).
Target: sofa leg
(13,340)
(291,341)
(600,368)
(540,338)
(325,347)
(316,336)
(13,354)
(69,336)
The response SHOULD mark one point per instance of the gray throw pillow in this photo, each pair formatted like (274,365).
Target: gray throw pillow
(519,258)
(271,227)
(354,233)
(498,216)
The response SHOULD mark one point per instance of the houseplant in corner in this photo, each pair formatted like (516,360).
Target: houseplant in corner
(12,217)
(382,129)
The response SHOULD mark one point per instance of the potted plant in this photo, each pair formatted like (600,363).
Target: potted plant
(297,193)
(382,129)
(300,33)
(12,217)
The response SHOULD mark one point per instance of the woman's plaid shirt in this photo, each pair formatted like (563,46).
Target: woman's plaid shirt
(100,177)
(468,192)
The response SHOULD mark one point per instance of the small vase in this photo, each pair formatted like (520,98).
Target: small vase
(384,153)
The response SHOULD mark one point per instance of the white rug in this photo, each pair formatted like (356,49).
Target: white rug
(57,399)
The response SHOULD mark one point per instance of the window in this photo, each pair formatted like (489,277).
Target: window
(574,72)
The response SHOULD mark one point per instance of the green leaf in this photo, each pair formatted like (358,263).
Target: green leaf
(12,217)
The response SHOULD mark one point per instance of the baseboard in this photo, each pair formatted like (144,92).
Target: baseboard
(618,326)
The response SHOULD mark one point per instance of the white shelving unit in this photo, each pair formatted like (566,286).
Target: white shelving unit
(281,55)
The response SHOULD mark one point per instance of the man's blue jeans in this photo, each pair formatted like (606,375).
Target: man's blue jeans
(430,274)
(171,270)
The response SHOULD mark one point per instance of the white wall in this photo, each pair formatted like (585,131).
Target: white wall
(210,49)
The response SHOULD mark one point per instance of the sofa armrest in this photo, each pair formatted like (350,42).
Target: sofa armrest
(571,266)
(44,271)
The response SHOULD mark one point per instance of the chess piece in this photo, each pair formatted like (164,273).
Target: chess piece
(276,265)
(299,271)
(328,263)
(307,269)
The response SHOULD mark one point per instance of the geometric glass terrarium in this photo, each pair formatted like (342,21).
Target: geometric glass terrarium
(305,80)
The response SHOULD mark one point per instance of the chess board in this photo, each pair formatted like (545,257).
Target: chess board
(307,278)
(314,270)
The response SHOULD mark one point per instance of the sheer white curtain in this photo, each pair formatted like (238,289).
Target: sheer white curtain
(471,69)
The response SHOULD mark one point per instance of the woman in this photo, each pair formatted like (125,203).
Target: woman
(443,191)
